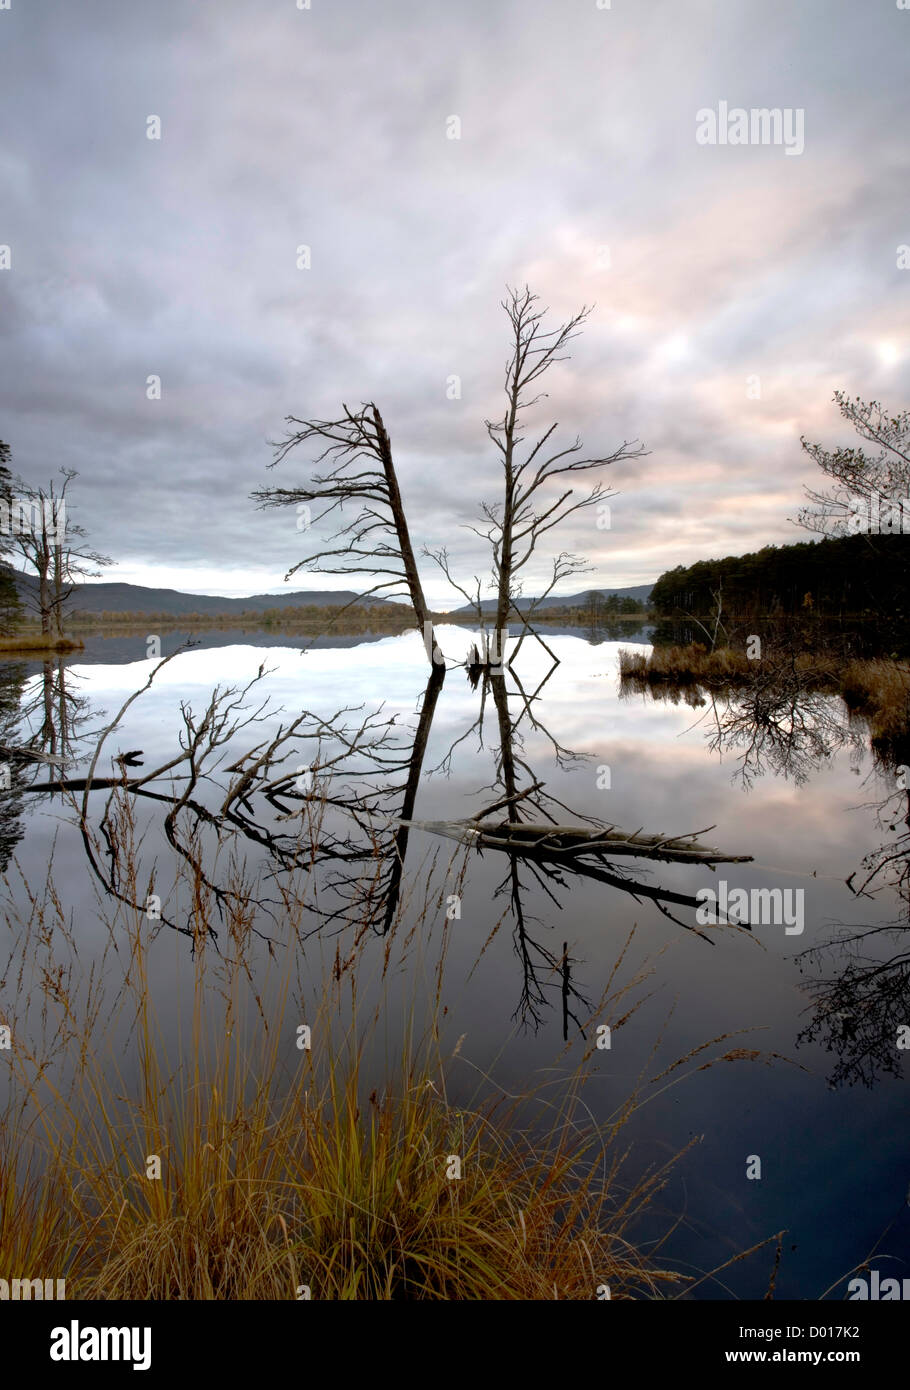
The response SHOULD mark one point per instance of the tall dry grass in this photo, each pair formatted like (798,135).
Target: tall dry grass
(879,693)
(679,665)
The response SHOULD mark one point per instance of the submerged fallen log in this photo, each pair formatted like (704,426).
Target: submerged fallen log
(566,842)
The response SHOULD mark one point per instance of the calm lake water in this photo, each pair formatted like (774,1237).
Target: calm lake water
(829,1124)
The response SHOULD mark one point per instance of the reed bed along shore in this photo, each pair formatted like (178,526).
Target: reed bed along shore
(292,623)
(877,692)
(39,642)
(276,1139)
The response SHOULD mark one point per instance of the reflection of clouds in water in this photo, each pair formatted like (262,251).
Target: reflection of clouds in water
(661,772)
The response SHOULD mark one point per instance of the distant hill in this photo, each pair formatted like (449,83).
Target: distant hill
(136,598)
(638,591)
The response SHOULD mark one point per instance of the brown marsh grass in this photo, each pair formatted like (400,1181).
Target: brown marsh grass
(39,642)
(879,693)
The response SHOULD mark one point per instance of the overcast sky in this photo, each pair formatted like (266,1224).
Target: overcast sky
(578,171)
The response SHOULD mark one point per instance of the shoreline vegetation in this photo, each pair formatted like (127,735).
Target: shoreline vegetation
(37,641)
(875,690)
(393,620)
(309,621)
(352,620)
(374,616)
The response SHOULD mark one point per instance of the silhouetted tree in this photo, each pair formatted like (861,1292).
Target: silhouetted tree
(535,496)
(530,505)
(860,480)
(362,474)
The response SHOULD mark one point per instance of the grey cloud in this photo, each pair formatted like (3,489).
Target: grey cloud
(327,127)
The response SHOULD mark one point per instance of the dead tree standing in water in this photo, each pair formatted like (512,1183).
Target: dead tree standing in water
(377,541)
(531,506)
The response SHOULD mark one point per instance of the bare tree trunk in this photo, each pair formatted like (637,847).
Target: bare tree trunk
(528,513)
(44,588)
(415,588)
(504,591)
(58,589)
(504,595)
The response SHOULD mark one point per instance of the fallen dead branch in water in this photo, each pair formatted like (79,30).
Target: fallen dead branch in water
(556,852)
(569,841)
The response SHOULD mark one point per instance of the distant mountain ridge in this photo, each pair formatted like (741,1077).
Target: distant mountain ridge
(136,598)
(637,591)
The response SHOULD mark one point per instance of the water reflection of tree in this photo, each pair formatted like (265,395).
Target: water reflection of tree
(308,792)
(42,726)
(12,681)
(53,717)
(776,726)
(336,796)
(376,900)
(545,855)
(777,723)
(858,1008)
(858,1012)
